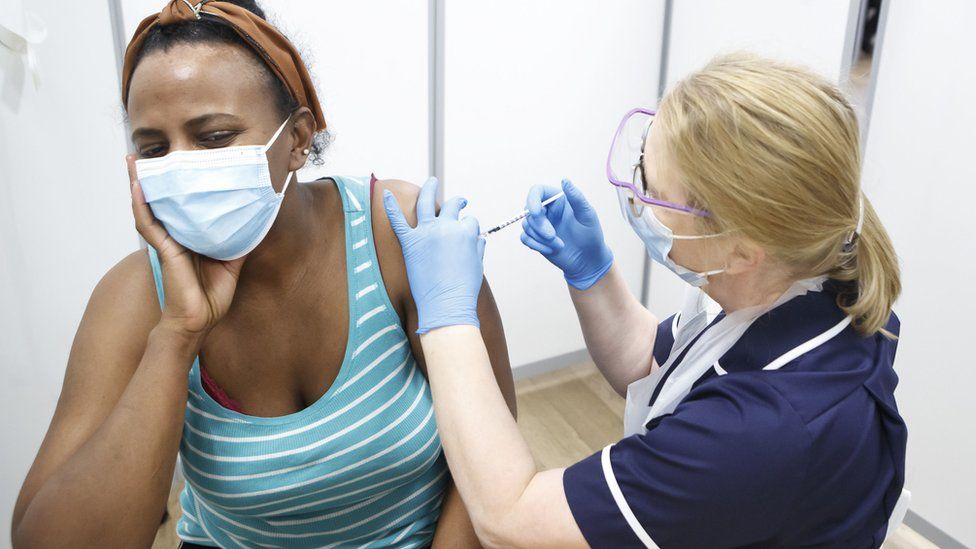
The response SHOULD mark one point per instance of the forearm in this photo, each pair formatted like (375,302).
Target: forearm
(113,490)
(619,331)
(490,461)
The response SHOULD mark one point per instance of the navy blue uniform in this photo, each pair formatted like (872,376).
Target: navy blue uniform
(811,454)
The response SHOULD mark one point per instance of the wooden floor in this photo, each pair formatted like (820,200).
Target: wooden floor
(565,416)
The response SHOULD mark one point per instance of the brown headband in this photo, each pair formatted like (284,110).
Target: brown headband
(261,36)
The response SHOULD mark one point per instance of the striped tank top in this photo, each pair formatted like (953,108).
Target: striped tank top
(360,467)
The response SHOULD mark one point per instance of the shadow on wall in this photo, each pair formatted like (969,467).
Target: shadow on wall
(13,67)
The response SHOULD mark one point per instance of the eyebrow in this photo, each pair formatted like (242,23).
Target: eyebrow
(190,124)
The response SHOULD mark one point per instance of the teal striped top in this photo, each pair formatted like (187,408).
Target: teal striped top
(362,466)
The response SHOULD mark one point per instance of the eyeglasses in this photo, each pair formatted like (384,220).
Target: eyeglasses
(625,165)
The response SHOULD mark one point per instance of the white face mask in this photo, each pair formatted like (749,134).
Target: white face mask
(658,239)
(219,202)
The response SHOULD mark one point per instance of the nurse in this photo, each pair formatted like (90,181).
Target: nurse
(769,424)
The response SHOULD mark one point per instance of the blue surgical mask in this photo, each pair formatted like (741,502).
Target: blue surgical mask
(218,202)
(658,239)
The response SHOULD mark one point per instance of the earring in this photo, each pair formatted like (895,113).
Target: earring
(306,151)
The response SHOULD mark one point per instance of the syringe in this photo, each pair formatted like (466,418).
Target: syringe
(522,215)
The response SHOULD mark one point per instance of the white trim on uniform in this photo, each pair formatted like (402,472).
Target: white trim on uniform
(621,502)
(808,346)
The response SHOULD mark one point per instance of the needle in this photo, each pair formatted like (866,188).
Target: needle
(522,215)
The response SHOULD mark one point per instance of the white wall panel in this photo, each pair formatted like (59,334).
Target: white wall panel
(920,174)
(811,32)
(533,93)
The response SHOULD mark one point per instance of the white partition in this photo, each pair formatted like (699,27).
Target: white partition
(533,92)
(919,172)
(812,32)
(64,216)
(808,32)
(370,63)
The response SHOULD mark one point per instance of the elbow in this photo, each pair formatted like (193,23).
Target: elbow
(31,525)
(487,536)
(21,535)
(619,386)
(28,530)
(16,540)
(495,531)
(38,528)
(491,540)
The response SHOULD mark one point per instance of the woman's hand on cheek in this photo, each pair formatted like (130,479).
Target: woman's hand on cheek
(444,259)
(199,290)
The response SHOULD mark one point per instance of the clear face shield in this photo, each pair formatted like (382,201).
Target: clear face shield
(638,203)
(625,169)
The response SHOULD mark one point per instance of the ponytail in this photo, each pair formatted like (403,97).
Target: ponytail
(870,268)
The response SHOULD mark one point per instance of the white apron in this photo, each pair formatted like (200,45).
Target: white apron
(704,354)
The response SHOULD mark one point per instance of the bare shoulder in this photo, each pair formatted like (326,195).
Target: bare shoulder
(122,310)
(127,289)
(387,246)
(131,276)
(406,194)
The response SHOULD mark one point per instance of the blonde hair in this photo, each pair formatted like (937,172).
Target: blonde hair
(772,150)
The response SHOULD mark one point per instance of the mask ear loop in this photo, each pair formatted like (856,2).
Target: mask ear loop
(287,182)
(277,134)
(268,146)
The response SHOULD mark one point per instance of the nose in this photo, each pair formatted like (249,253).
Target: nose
(182,143)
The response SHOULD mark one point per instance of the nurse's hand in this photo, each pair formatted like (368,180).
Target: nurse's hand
(443,256)
(568,234)
(199,290)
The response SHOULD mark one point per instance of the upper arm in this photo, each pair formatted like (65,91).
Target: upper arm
(394,274)
(542,517)
(107,348)
(723,469)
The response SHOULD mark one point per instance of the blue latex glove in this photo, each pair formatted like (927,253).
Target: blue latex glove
(568,234)
(444,259)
